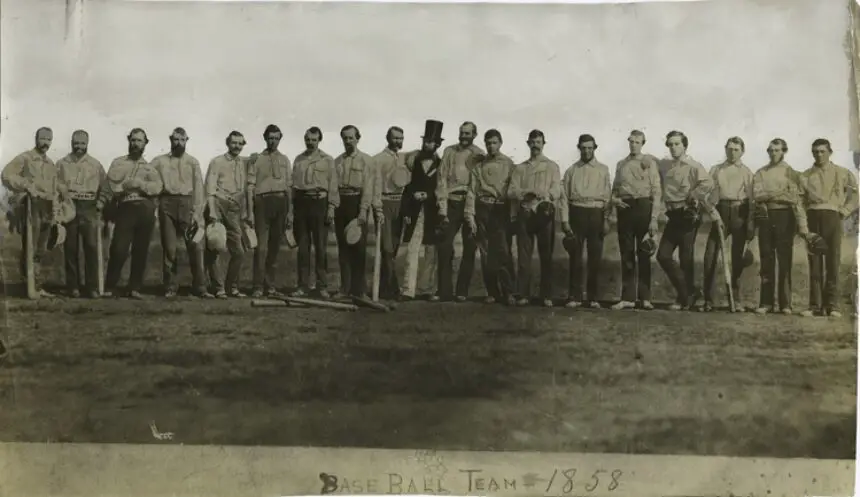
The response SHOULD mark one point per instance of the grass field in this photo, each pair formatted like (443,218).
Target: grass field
(446,376)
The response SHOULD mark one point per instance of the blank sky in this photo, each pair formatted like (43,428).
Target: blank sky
(758,69)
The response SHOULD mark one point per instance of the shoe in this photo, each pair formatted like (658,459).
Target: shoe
(460,298)
(221,294)
(257,294)
(834,314)
(762,310)
(808,313)
(108,294)
(523,302)
(511,301)
(135,295)
(236,294)
(489,300)
(547,303)
(324,294)
(595,305)
(707,307)
(434,298)
(647,305)
(573,304)
(624,304)
(170,294)
(298,292)
(787,311)
(75,294)
(676,307)
(405,298)
(272,293)
(204,295)
(46,294)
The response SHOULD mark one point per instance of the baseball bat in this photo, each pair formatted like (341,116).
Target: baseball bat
(377,261)
(100,253)
(29,263)
(370,304)
(275,303)
(727,272)
(321,303)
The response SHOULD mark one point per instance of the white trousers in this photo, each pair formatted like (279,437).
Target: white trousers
(421,275)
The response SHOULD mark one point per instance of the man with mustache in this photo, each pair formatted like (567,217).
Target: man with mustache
(731,195)
(358,192)
(133,185)
(585,209)
(487,213)
(829,194)
(316,198)
(228,204)
(181,206)
(393,176)
(536,186)
(636,194)
(34,174)
(82,176)
(420,211)
(776,194)
(270,184)
(686,186)
(454,177)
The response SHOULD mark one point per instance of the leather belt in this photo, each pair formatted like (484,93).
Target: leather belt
(271,194)
(392,196)
(132,197)
(778,205)
(487,199)
(674,206)
(312,193)
(348,191)
(82,195)
(732,202)
(457,196)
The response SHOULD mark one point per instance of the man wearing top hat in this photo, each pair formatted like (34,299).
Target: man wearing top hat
(419,207)
(358,191)
(392,178)
(536,186)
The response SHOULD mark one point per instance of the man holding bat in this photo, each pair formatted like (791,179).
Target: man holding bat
(82,175)
(731,196)
(390,166)
(32,176)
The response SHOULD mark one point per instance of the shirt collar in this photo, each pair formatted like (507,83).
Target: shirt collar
(231,158)
(537,160)
(592,162)
(390,152)
(739,164)
(139,159)
(823,167)
(75,160)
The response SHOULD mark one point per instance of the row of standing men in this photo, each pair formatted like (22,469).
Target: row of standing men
(424,199)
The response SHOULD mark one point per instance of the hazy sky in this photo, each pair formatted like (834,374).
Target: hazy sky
(713,69)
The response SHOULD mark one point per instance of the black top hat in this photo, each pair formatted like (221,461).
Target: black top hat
(433,131)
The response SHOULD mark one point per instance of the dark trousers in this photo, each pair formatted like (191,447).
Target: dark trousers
(174,217)
(270,218)
(776,244)
(531,227)
(390,243)
(310,228)
(352,259)
(679,233)
(40,216)
(230,213)
(82,230)
(456,224)
(735,217)
(587,226)
(825,269)
(633,223)
(494,237)
(133,227)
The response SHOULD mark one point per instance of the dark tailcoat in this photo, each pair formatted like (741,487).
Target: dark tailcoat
(422,181)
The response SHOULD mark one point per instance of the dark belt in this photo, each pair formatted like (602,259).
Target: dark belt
(348,192)
(457,196)
(490,200)
(272,194)
(316,194)
(82,195)
(392,196)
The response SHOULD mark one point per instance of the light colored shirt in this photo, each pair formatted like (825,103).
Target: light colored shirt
(829,187)
(271,172)
(455,171)
(182,176)
(686,178)
(540,176)
(386,163)
(82,176)
(356,171)
(31,168)
(637,177)
(125,168)
(731,182)
(490,179)
(780,183)
(227,178)
(316,171)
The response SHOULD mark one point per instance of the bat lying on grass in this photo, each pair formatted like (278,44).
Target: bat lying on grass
(276,303)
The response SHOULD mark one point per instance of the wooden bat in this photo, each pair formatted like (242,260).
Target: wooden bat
(275,303)
(727,271)
(377,261)
(100,253)
(29,263)
(370,304)
(321,303)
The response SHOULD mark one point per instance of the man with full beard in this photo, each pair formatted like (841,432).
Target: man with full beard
(180,207)
(420,212)
(133,185)
(454,178)
(34,174)
(393,175)
(82,175)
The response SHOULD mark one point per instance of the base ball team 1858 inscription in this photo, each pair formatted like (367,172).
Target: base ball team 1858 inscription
(422,199)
